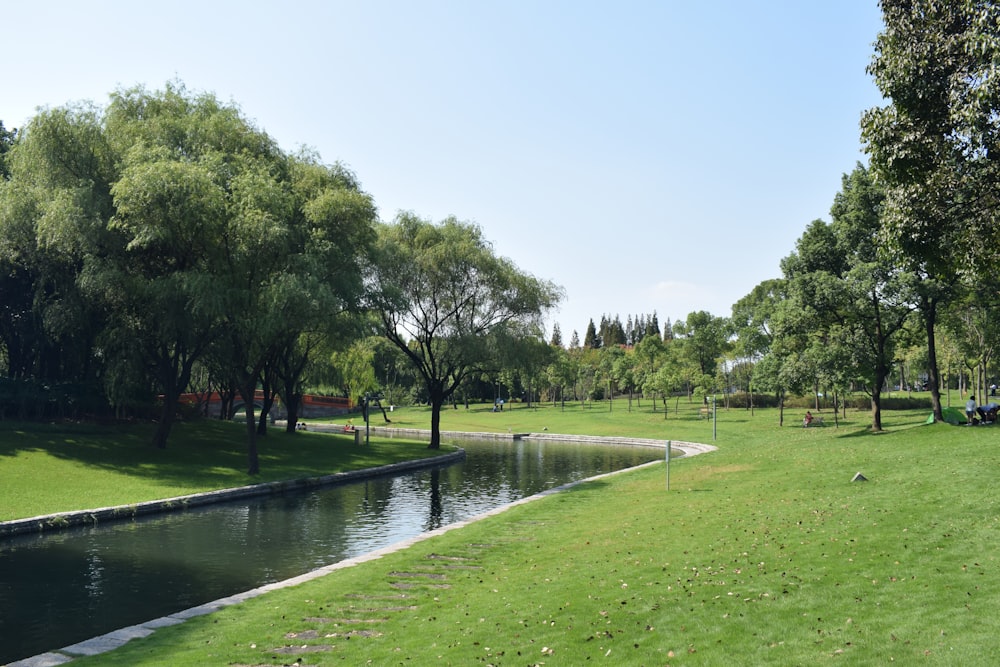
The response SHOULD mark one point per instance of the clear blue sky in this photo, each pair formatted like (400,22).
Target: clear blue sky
(646,156)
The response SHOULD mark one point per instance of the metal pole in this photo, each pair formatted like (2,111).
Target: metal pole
(668,465)
(367,403)
(715,419)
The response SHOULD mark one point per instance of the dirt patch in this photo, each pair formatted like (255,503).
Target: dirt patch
(305,648)
(427,575)
(343,621)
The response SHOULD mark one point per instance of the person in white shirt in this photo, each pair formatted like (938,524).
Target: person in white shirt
(970,409)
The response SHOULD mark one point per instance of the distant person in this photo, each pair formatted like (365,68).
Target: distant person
(807,420)
(970,410)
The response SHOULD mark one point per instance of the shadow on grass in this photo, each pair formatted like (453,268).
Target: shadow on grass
(206,454)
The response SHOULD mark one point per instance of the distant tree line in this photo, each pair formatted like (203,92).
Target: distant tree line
(900,288)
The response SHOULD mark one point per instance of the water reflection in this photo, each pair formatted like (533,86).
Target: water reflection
(60,588)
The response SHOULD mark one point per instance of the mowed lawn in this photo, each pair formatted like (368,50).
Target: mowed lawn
(60,467)
(763,552)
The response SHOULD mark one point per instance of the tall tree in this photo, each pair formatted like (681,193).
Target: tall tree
(935,146)
(755,327)
(556,340)
(841,282)
(7,139)
(331,233)
(170,208)
(449,303)
(53,220)
(591,340)
(703,339)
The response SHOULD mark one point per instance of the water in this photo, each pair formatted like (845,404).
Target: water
(60,588)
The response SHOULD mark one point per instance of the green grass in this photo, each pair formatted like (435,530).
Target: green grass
(683,420)
(764,552)
(49,468)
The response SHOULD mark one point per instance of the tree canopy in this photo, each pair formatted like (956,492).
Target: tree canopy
(450,304)
(166,231)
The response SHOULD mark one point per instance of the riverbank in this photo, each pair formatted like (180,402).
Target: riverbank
(680,448)
(56,468)
(60,520)
(555,452)
(765,552)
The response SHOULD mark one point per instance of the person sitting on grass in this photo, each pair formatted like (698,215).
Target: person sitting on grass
(807,420)
(988,412)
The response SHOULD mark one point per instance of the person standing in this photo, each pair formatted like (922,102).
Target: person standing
(970,410)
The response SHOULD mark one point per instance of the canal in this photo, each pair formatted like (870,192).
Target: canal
(60,588)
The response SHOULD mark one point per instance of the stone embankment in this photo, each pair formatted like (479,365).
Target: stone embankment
(117,638)
(61,520)
(688,448)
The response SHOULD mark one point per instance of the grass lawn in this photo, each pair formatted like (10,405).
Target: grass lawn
(48,468)
(764,552)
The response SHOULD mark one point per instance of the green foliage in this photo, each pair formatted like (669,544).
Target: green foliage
(7,139)
(165,232)
(934,144)
(451,305)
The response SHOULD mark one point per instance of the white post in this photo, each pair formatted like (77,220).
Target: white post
(715,419)
(668,465)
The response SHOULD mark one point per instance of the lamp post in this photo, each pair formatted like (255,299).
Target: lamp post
(366,402)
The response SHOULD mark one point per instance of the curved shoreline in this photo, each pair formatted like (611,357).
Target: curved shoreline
(116,638)
(61,520)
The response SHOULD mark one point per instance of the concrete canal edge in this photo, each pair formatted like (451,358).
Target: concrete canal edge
(100,515)
(688,448)
(112,640)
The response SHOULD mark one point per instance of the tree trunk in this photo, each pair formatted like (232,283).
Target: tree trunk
(166,422)
(880,377)
(253,461)
(292,402)
(933,377)
(265,411)
(262,419)
(175,375)
(877,410)
(437,402)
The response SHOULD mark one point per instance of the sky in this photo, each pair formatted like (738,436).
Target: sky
(646,156)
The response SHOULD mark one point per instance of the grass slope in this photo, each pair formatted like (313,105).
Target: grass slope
(49,468)
(764,552)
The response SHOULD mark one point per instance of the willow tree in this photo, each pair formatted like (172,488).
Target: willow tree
(450,304)
(53,212)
